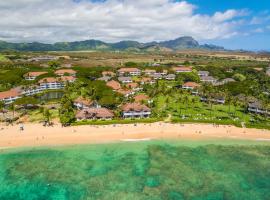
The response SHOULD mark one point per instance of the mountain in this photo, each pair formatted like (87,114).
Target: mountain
(171,45)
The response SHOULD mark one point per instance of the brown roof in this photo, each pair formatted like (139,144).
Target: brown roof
(94,113)
(10,93)
(84,101)
(182,68)
(135,107)
(114,85)
(63,71)
(124,92)
(141,97)
(191,84)
(67,78)
(132,85)
(49,80)
(146,79)
(34,74)
(128,70)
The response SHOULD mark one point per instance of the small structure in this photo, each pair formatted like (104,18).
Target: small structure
(125,79)
(62,72)
(149,72)
(108,73)
(203,73)
(83,103)
(104,78)
(52,83)
(135,110)
(170,77)
(94,114)
(114,85)
(31,76)
(182,69)
(129,71)
(208,79)
(147,80)
(257,107)
(157,76)
(190,85)
(132,86)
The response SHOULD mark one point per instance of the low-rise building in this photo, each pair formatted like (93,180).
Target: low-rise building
(126,92)
(170,77)
(147,80)
(132,86)
(84,103)
(257,107)
(94,114)
(190,85)
(114,85)
(135,110)
(10,96)
(140,98)
(203,73)
(182,69)
(125,79)
(104,78)
(108,73)
(149,72)
(31,76)
(208,79)
(157,76)
(62,72)
(129,71)
(52,83)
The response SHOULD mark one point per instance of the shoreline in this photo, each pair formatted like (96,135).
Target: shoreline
(35,135)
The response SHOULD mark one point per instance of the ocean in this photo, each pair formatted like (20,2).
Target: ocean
(152,170)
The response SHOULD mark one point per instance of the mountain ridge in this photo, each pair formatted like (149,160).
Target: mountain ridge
(180,43)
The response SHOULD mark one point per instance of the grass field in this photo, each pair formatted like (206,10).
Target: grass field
(3,58)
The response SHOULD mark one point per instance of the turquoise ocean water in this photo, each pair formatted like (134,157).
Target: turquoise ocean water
(154,170)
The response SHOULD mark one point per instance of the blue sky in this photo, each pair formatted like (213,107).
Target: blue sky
(234,24)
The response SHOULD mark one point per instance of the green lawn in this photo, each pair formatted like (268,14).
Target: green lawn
(3,58)
(37,116)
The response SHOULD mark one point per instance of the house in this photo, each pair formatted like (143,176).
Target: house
(108,73)
(257,107)
(125,92)
(219,100)
(29,90)
(224,81)
(208,79)
(30,76)
(10,96)
(149,72)
(147,80)
(203,73)
(190,85)
(135,110)
(132,86)
(170,77)
(104,78)
(62,72)
(163,72)
(182,69)
(140,98)
(83,103)
(70,79)
(125,79)
(94,114)
(114,85)
(129,71)
(157,76)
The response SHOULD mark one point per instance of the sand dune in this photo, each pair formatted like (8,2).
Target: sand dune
(37,135)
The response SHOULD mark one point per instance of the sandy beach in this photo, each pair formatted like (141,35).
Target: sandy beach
(36,135)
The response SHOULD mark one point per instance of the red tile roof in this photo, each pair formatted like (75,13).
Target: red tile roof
(64,71)
(84,101)
(124,92)
(141,97)
(94,113)
(182,68)
(135,107)
(114,85)
(34,74)
(10,93)
(123,70)
(191,84)
(132,85)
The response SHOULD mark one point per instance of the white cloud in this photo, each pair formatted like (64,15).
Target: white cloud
(112,20)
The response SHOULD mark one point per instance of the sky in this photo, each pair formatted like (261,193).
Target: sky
(234,24)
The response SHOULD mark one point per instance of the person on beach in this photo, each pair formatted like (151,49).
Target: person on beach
(21,127)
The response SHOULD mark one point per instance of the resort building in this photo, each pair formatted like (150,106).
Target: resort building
(147,80)
(52,83)
(257,107)
(126,93)
(203,73)
(141,98)
(125,79)
(94,114)
(224,81)
(31,76)
(104,78)
(170,77)
(218,100)
(62,72)
(133,86)
(208,79)
(157,76)
(10,96)
(114,85)
(135,110)
(149,72)
(190,85)
(182,69)
(83,103)
(129,71)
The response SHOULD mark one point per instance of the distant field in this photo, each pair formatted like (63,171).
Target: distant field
(3,58)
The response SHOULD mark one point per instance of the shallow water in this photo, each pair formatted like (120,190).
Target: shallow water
(211,170)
